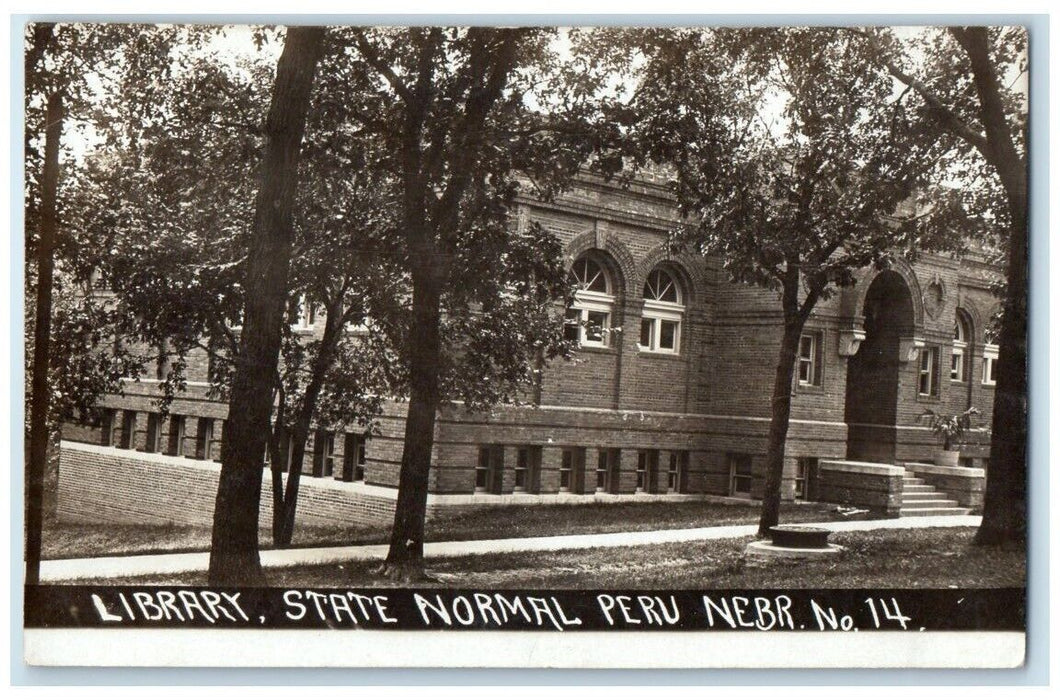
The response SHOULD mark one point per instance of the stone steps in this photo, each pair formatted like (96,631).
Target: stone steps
(921,512)
(920,499)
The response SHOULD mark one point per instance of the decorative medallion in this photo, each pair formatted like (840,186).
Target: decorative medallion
(934,295)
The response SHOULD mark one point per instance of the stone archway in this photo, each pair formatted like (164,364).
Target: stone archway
(873,372)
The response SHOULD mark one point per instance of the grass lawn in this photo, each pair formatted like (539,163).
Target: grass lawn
(64,541)
(914,558)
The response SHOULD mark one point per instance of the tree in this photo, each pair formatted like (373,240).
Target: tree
(38,442)
(788,167)
(234,557)
(56,86)
(177,258)
(450,107)
(966,81)
(167,201)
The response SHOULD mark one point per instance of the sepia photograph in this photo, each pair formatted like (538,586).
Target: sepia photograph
(666,344)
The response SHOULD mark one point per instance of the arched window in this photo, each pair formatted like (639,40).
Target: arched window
(589,318)
(961,335)
(660,324)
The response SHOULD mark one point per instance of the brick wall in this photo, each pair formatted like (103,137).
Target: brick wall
(110,485)
(710,400)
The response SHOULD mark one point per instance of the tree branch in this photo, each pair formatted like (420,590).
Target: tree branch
(944,114)
(375,61)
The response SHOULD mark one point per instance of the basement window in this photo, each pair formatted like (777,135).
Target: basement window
(677,474)
(741,476)
(490,468)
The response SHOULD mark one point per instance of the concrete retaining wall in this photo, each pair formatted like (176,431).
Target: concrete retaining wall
(865,484)
(111,485)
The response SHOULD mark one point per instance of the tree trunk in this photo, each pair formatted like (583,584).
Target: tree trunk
(234,557)
(40,404)
(780,418)
(404,559)
(1005,498)
(276,469)
(322,362)
(285,515)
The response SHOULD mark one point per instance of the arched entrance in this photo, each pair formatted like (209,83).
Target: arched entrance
(873,372)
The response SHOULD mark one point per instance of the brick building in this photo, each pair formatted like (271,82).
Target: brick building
(668,397)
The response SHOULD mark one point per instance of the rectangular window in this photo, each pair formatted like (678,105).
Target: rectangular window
(596,325)
(175,444)
(204,439)
(527,462)
(740,474)
(928,382)
(354,457)
(675,477)
(809,359)
(607,462)
(990,365)
(572,469)
(957,365)
(566,471)
(489,469)
(589,324)
(324,453)
(128,430)
(806,478)
(647,466)
(108,433)
(660,331)
(154,433)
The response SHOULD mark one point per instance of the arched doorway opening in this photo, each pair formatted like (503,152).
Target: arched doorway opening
(873,373)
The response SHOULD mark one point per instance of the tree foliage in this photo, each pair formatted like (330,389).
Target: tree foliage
(791,164)
(467,120)
(968,90)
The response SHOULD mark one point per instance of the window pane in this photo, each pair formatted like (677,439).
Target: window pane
(806,347)
(571,325)
(594,329)
(646,325)
(668,335)
(588,275)
(660,287)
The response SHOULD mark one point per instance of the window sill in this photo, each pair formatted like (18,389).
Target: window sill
(809,389)
(597,349)
(661,354)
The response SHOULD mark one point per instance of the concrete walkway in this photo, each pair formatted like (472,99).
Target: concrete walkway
(105,567)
